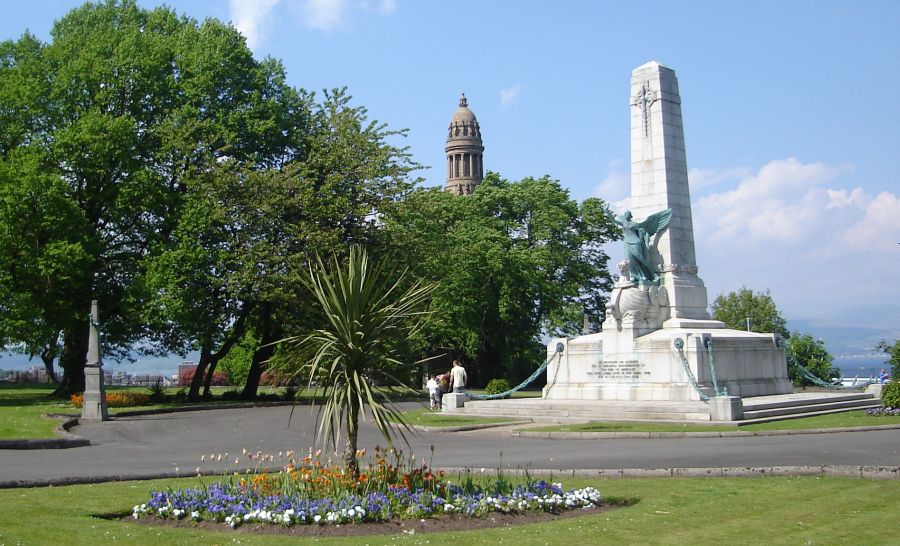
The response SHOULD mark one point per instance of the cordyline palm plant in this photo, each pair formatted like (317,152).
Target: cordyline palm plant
(365,313)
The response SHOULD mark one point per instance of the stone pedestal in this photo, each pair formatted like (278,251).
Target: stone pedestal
(726,408)
(452,401)
(94,407)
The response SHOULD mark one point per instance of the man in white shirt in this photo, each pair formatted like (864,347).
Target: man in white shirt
(458,377)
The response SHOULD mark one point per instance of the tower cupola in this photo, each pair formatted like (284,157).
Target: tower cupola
(464,150)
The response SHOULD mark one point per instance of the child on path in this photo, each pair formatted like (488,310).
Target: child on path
(434,392)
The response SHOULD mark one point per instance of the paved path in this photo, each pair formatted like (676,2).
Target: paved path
(155,444)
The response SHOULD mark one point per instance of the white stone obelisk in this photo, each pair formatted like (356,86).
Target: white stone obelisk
(659,180)
(94,403)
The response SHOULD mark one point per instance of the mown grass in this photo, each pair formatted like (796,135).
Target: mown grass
(857,418)
(629,426)
(690,511)
(24,408)
(429,418)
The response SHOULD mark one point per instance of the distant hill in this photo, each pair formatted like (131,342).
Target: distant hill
(853,330)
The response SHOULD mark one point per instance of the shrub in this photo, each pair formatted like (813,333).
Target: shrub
(231,395)
(118,399)
(890,394)
(496,386)
(158,392)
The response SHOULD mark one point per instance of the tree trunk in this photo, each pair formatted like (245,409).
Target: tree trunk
(209,375)
(72,360)
(48,355)
(237,331)
(199,374)
(257,366)
(350,461)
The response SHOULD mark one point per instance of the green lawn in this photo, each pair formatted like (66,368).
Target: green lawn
(23,411)
(428,418)
(23,408)
(690,511)
(835,420)
(629,426)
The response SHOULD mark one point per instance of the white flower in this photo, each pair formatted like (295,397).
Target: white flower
(195,515)
(317,518)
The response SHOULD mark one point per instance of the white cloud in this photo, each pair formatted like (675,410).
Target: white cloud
(842,198)
(324,15)
(255,18)
(616,187)
(705,178)
(783,202)
(509,95)
(387,7)
(820,242)
(252,18)
(878,230)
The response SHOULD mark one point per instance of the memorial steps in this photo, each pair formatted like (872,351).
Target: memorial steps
(764,409)
(759,409)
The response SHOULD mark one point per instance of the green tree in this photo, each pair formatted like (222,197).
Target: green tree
(364,312)
(893,352)
(42,254)
(513,261)
(124,107)
(244,232)
(804,350)
(735,308)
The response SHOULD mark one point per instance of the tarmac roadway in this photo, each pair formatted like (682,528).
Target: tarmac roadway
(163,444)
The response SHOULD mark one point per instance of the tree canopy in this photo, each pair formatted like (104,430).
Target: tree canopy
(513,261)
(804,350)
(122,120)
(736,308)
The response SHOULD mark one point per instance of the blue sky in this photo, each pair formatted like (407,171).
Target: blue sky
(791,112)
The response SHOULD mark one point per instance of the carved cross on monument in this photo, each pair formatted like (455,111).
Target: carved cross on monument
(94,403)
(644,100)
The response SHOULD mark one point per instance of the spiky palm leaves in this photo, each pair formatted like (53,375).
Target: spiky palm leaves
(365,312)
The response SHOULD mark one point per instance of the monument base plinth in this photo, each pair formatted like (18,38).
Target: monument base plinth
(94,405)
(453,401)
(745,364)
(726,408)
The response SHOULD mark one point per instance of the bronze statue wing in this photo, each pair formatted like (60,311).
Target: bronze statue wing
(656,222)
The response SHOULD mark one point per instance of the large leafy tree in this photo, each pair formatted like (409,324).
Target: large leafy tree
(810,353)
(364,313)
(513,261)
(736,308)
(243,233)
(123,108)
(42,254)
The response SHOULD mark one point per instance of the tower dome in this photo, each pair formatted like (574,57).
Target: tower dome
(464,151)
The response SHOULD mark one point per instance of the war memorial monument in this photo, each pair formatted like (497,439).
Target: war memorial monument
(659,355)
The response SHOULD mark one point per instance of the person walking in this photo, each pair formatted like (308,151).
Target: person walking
(434,392)
(458,377)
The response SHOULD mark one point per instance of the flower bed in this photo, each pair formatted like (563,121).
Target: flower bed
(123,399)
(308,492)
